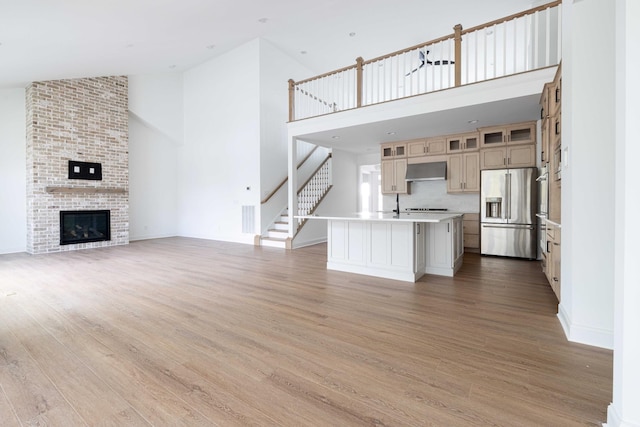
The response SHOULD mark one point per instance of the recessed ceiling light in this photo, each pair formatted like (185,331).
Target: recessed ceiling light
(303,52)
(352,34)
(335,137)
(471,122)
(211,46)
(130,45)
(391,133)
(263,20)
(172,66)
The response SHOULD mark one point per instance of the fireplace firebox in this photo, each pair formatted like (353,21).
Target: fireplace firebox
(84,226)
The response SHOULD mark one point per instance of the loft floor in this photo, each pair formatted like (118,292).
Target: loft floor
(193,332)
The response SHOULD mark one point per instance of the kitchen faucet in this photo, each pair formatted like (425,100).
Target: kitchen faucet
(397,209)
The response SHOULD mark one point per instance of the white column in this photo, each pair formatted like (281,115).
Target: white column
(624,411)
(292,184)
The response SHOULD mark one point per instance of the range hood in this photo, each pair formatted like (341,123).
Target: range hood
(426,171)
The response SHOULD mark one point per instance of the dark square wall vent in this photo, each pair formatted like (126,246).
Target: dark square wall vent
(85,170)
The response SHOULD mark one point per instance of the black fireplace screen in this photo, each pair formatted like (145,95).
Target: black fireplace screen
(84,226)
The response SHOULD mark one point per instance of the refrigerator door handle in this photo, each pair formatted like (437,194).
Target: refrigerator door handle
(508,195)
(527,227)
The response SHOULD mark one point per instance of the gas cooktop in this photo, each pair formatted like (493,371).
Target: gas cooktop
(426,209)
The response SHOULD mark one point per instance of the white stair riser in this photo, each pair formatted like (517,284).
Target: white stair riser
(273,244)
(278,234)
(281,226)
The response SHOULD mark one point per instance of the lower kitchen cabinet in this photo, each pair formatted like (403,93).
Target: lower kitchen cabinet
(445,246)
(395,249)
(471,227)
(552,259)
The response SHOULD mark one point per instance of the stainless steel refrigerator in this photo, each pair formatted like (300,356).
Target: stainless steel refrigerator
(508,203)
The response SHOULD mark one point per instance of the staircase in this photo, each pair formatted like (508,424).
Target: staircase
(277,236)
(309,197)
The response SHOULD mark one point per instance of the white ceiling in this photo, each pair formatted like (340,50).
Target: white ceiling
(55,39)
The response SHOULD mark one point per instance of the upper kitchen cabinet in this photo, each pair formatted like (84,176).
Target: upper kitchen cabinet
(427,147)
(464,142)
(518,156)
(393,150)
(463,174)
(521,133)
(393,176)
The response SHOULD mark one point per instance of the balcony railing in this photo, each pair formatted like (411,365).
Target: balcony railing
(518,43)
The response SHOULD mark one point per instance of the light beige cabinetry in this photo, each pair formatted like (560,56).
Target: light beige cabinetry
(463,142)
(544,120)
(555,148)
(393,176)
(393,150)
(518,156)
(463,173)
(553,257)
(427,147)
(471,227)
(551,115)
(520,133)
(511,146)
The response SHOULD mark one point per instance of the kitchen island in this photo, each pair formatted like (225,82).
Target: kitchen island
(401,246)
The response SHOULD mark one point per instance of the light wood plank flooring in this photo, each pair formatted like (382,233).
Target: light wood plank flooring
(181,331)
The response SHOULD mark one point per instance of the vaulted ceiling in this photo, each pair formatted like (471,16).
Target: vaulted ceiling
(55,39)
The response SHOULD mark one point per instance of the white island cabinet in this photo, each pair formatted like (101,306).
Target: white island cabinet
(401,247)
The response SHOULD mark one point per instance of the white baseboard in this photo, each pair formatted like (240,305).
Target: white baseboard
(297,244)
(614,420)
(596,337)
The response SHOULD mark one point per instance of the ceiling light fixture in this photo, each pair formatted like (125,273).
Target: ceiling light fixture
(335,137)
(211,46)
(172,66)
(130,45)
(352,34)
(303,52)
(263,20)
(391,133)
(471,122)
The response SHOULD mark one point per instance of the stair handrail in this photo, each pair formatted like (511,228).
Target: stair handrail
(284,181)
(316,203)
(326,159)
(512,17)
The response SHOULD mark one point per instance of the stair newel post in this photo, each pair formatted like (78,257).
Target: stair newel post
(359,83)
(291,100)
(457,39)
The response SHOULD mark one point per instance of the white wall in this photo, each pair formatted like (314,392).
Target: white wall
(156,128)
(13,171)
(276,68)
(341,198)
(220,157)
(624,409)
(157,99)
(153,177)
(588,176)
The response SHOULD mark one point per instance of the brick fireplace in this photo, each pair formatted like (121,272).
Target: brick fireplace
(79,120)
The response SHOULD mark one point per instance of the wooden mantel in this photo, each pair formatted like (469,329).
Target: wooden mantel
(86,190)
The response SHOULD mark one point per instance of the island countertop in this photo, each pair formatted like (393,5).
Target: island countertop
(388,216)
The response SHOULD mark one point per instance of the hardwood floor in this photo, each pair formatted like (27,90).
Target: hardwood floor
(192,332)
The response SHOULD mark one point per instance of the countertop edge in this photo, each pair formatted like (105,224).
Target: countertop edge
(404,218)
